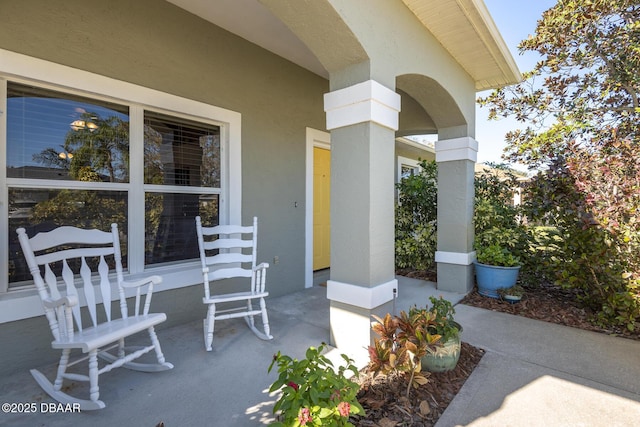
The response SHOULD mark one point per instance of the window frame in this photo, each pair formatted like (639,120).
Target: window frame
(32,71)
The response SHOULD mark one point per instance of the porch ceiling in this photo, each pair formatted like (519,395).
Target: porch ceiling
(463,27)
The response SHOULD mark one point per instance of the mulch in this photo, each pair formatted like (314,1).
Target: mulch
(386,405)
(383,397)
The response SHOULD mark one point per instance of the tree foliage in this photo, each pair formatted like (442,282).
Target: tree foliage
(587,82)
(580,109)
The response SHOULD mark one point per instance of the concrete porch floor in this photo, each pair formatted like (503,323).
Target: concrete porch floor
(533,374)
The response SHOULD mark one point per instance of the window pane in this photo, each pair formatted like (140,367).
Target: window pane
(171,227)
(180,152)
(43,210)
(53,135)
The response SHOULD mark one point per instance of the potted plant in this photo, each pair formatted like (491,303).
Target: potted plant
(443,356)
(401,342)
(512,294)
(496,268)
(499,233)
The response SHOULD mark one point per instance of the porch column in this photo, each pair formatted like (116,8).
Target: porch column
(362,119)
(456,160)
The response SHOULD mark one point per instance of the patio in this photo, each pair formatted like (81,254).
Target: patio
(533,373)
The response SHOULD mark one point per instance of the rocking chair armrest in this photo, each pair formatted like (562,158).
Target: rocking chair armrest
(141,282)
(262,266)
(137,285)
(69,301)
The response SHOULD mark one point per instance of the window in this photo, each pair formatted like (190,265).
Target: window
(179,155)
(75,160)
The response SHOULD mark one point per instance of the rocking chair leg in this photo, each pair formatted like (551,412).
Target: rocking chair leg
(157,348)
(94,390)
(209,324)
(250,319)
(265,318)
(62,367)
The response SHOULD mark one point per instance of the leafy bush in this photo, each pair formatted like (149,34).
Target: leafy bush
(313,393)
(499,235)
(498,256)
(416,214)
(595,243)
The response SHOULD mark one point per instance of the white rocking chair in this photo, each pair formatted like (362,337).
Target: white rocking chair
(69,248)
(223,253)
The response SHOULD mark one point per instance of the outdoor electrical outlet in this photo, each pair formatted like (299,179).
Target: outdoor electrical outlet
(276,259)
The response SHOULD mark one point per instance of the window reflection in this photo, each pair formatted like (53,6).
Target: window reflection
(181,152)
(170,230)
(39,210)
(58,136)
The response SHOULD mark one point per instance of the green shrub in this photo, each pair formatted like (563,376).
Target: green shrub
(416,214)
(592,240)
(498,230)
(313,393)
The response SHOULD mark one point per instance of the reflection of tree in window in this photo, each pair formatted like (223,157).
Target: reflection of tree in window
(178,153)
(100,148)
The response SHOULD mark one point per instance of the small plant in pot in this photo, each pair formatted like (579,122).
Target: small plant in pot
(443,356)
(512,294)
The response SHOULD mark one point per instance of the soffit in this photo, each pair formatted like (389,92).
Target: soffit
(463,27)
(467,31)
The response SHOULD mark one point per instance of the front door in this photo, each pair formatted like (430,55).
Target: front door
(321,205)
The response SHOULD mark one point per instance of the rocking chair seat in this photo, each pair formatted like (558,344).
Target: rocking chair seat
(236,296)
(109,332)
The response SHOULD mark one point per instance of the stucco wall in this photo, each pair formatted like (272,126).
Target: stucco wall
(155,44)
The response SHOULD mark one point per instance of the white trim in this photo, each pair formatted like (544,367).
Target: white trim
(314,138)
(16,305)
(458,258)
(364,102)
(20,67)
(4,194)
(465,148)
(361,296)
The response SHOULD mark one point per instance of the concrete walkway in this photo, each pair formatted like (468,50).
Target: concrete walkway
(533,373)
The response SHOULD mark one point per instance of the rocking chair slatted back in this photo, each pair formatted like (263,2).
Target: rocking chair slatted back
(66,241)
(229,263)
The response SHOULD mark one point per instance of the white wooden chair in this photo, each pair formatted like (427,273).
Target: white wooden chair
(224,255)
(59,260)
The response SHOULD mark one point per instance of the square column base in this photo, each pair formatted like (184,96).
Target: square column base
(351,329)
(455,278)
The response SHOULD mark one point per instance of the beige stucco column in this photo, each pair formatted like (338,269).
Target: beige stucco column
(362,119)
(456,160)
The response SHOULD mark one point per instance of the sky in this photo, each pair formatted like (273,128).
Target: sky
(515,19)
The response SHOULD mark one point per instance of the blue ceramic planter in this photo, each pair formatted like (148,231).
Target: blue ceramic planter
(490,278)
